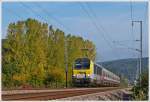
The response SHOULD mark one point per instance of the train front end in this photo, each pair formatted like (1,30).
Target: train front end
(82,71)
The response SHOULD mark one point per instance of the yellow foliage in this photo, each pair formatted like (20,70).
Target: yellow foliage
(57,74)
(19,77)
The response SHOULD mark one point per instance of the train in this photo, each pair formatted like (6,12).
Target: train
(86,72)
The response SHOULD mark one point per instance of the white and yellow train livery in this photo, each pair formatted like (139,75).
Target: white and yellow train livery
(86,72)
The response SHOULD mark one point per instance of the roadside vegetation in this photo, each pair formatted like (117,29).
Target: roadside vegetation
(141,92)
(33,55)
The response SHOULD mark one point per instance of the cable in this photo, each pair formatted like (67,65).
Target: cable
(31,10)
(131,9)
(131,17)
(82,7)
(124,41)
(95,16)
(127,47)
(94,23)
(133,36)
(54,18)
(13,12)
(99,28)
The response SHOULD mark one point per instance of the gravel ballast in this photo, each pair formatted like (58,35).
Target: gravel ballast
(109,95)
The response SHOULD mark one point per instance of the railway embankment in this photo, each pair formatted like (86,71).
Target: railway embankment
(120,94)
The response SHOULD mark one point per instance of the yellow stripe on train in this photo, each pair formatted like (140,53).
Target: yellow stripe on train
(85,70)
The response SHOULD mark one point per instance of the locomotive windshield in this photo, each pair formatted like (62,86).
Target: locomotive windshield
(82,63)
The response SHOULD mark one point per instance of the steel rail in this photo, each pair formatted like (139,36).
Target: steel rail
(54,94)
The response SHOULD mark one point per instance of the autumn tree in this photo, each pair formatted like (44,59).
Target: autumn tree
(33,53)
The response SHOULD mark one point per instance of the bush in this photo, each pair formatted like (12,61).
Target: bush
(141,92)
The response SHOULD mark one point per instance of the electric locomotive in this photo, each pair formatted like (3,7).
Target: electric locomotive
(82,71)
(86,72)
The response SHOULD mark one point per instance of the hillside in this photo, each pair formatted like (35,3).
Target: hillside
(125,67)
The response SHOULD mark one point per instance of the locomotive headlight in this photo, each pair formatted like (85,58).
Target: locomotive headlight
(88,75)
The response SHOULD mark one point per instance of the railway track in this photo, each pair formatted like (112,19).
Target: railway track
(52,95)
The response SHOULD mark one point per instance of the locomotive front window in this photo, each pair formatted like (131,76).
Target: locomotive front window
(82,63)
(78,66)
(85,65)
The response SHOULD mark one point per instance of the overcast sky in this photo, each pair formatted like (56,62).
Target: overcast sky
(101,22)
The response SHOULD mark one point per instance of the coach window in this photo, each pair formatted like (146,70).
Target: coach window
(104,74)
(99,71)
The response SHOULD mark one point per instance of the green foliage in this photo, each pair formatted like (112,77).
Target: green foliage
(141,92)
(33,54)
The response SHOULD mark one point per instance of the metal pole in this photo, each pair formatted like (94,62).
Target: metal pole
(66,62)
(137,71)
(72,75)
(140,51)
(140,62)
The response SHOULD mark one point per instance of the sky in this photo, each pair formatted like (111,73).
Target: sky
(106,24)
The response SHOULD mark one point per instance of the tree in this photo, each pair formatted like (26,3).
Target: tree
(33,54)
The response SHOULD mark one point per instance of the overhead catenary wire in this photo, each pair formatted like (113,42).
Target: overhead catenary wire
(123,41)
(99,28)
(102,28)
(99,24)
(13,12)
(52,17)
(96,26)
(131,17)
(48,14)
(127,47)
(31,10)
(131,9)
(38,15)
(93,22)
(133,39)
(132,34)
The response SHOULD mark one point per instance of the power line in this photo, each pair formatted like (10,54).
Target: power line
(31,10)
(131,17)
(131,9)
(131,14)
(105,31)
(122,41)
(131,30)
(95,16)
(127,47)
(99,28)
(47,13)
(54,18)
(94,23)
(132,34)
(13,12)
